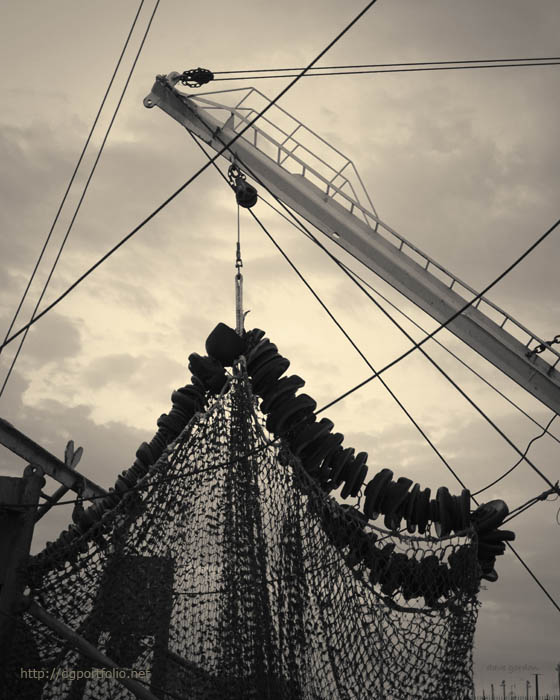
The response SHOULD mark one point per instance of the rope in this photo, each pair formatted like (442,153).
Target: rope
(537,437)
(533,501)
(78,206)
(191,179)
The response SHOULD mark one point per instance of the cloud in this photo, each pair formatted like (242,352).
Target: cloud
(118,368)
(58,338)
(462,163)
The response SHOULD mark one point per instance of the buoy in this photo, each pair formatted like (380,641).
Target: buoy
(224,345)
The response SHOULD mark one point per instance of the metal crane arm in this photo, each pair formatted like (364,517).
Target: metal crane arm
(303,177)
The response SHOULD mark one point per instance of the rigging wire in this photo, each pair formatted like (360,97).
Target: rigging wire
(338,325)
(554,488)
(73,176)
(421,328)
(532,501)
(467,305)
(391,65)
(78,206)
(416,345)
(545,429)
(429,358)
(394,70)
(191,179)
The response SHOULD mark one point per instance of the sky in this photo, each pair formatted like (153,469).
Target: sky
(464,164)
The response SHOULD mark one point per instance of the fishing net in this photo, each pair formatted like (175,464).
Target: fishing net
(227,573)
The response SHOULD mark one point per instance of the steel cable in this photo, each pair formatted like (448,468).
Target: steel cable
(73,176)
(78,206)
(188,182)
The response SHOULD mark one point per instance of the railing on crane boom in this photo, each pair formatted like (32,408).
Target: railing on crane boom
(323,186)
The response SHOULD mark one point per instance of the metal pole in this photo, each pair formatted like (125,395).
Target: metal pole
(18,504)
(537,686)
(527,684)
(25,447)
(85,647)
(238,281)
(492,691)
(239,303)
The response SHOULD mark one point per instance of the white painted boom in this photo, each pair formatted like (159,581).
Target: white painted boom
(323,186)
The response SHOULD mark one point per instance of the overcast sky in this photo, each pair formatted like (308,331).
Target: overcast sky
(464,164)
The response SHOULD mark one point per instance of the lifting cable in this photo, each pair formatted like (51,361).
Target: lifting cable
(82,196)
(193,177)
(72,178)
(421,328)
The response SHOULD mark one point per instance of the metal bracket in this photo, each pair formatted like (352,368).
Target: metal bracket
(36,455)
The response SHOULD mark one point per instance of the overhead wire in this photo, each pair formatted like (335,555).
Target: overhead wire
(190,179)
(79,204)
(392,65)
(421,328)
(73,176)
(393,70)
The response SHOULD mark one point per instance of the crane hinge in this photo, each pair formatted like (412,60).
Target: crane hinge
(196,77)
(245,194)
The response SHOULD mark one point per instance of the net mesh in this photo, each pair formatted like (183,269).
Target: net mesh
(228,573)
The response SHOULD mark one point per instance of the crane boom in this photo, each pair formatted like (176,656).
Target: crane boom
(326,195)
